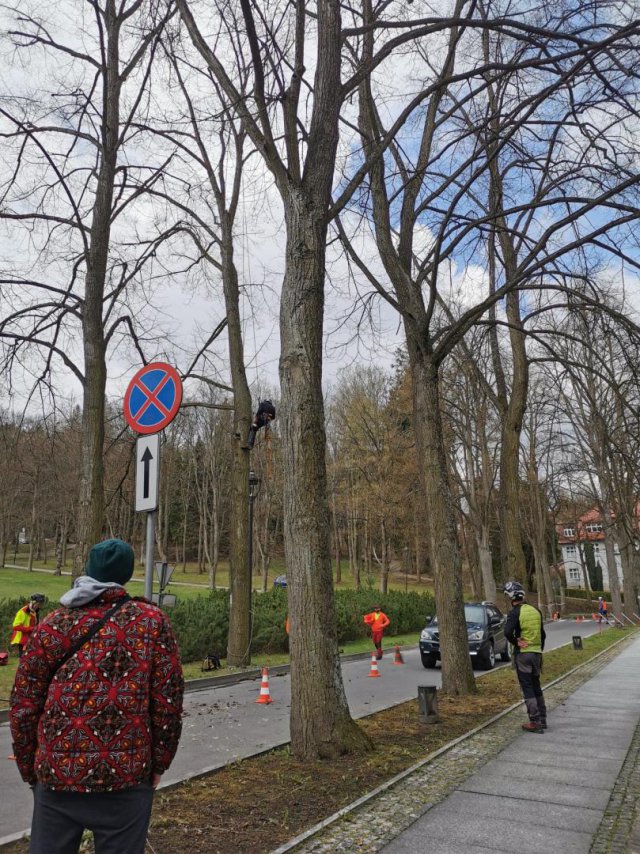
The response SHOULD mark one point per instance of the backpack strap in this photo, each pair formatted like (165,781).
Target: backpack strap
(95,628)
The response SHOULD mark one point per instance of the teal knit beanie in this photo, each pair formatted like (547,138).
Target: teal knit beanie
(110,561)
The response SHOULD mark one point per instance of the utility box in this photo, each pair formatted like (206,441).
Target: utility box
(428,704)
(577,642)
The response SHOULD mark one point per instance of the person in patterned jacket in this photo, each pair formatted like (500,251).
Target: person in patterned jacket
(95,725)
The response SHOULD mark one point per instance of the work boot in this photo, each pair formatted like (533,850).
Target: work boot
(532,726)
(543,723)
(379,654)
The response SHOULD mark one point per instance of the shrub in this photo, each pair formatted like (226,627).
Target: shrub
(202,625)
(577,593)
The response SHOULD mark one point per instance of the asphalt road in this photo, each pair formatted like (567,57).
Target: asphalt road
(225,724)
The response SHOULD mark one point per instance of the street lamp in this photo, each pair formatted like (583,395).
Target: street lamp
(254,488)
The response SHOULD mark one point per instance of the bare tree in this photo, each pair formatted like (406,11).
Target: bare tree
(496,166)
(69,180)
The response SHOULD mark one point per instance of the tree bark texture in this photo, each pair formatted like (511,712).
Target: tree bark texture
(457,673)
(91,503)
(321,725)
(239,643)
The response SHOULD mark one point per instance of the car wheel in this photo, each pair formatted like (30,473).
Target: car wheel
(428,661)
(488,660)
(506,655)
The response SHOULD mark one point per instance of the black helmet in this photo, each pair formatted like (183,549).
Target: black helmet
(36,597)
(514,590)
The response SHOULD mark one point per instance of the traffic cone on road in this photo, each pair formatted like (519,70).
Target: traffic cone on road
(398,658)
(374,667)
(265,696)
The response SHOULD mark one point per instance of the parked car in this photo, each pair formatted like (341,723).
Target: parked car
(485,629)
(280,581)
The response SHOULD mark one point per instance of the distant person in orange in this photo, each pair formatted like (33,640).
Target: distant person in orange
(378,621)
(602,610)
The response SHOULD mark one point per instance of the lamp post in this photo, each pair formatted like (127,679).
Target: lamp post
(254,488)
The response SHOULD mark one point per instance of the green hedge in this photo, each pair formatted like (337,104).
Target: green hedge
(576,593)
(201,625)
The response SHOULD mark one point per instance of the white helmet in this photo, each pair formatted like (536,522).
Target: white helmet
(514,590)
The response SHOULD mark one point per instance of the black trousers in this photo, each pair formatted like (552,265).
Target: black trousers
(528,667)
(119,820)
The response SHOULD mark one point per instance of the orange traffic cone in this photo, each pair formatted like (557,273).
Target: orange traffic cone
(374,667)
(265,696)
(398,659)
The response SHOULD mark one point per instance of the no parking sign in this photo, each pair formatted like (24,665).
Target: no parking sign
(153,398)
(151,402)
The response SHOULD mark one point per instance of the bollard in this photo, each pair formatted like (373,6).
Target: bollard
(428,704)
(577,642)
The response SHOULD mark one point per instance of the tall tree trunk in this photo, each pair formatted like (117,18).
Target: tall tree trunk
(238,649)
(512,402)
(486,563)
(384,555)
(91,502)
(512,555)
(614,580)
(336,540)
(626,558)
(457,674)
(34,516)
(321,725)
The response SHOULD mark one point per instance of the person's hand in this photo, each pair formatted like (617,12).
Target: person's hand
(522,643)
(155,780)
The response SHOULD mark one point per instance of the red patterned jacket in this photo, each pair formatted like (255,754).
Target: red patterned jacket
(111,715)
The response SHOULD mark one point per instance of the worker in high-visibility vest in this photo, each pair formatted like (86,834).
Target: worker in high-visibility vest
(602,610)
(524,630)
(25,622)
(377,621)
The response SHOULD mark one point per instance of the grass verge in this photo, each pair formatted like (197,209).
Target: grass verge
(262,802)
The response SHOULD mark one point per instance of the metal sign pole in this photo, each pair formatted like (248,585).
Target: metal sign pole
(151,402)
(148,564)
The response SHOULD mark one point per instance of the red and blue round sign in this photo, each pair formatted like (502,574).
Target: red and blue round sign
(153,398)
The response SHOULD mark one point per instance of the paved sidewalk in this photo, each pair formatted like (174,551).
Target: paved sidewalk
(573,789)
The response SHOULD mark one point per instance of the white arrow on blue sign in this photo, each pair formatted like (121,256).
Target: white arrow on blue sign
(147,469)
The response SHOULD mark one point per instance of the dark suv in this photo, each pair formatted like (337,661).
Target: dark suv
(485,628)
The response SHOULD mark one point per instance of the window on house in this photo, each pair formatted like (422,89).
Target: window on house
(596,548)
(570,551)
(569,532)
(574,573)
(593,528)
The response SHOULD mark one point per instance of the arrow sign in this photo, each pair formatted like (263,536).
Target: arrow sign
(146,459)
(147,468)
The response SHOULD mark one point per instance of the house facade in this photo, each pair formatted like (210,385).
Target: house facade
(576,539)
